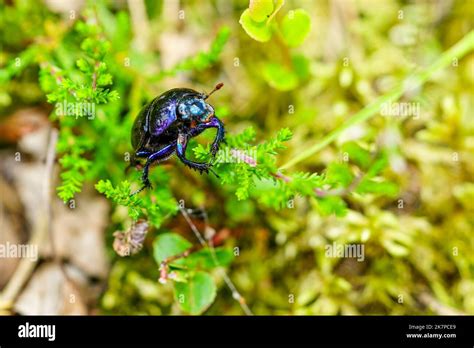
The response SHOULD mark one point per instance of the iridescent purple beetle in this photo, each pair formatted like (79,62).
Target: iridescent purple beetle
(165,125)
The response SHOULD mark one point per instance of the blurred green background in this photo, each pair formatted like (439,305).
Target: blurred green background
(310,75)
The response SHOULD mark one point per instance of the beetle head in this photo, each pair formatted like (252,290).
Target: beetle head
(195,109)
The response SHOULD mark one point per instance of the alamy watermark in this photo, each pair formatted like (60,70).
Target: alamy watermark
(28,330)
(337,250)
(77,109)
(24,251)
(237,156)
(401,109)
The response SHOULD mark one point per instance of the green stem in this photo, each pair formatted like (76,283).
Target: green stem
(465,45)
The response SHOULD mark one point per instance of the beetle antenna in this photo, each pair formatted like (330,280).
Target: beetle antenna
(218,87)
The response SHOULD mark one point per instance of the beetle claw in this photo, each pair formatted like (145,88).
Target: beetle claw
(213,172)
(201,168)
(145,186)
(214,150)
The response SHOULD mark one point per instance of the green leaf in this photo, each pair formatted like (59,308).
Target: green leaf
(395,249)
(179,275)
(120,195)
(240,140)
(332,205)
(301,66)
(379,165)
(257,31)
(201,153)
(113,95)
(83,65)
(278,5)
(339,174)
(260,10)
(197,294)
(284,134)
(104,80)
(357,154)
(244,181)
(386,188)
(169,244)
(295,27)
(280,77)
(203,259)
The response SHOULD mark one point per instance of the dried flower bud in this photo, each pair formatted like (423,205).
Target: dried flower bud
(131,242)
(163,273)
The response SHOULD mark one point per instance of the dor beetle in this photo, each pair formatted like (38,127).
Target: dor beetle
(165,125)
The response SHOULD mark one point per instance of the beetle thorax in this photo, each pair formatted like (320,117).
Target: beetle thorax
(195,109)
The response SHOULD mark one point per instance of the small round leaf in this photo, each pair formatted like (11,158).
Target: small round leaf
(257,31)
(197,294)
(295,27)
(301,66)
(169,244)
(260,10)
(280,77)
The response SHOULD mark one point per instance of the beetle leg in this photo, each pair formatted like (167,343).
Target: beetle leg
(155,157)
(143,153)
(213,123)
(220,134)
(181,145)
(134,159)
